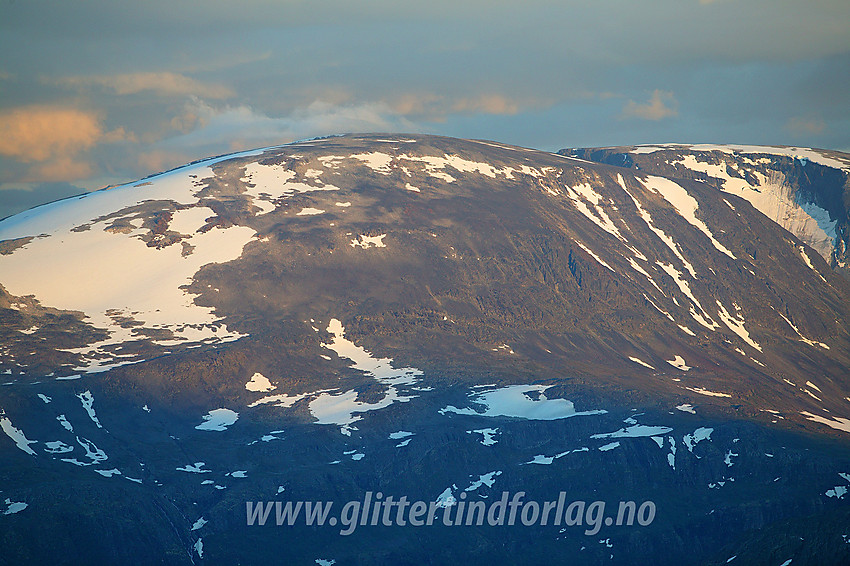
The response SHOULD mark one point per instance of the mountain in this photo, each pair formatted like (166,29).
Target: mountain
(445,320)
(806,191)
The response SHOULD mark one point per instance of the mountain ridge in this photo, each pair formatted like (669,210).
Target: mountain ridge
(218,223)
(266,325)
(790,201)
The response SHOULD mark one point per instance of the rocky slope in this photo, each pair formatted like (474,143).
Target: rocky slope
(805,191)
(344,315)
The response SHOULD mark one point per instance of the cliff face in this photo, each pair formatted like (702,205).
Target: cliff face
(805,191)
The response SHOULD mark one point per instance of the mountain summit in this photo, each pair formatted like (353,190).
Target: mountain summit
(279,319)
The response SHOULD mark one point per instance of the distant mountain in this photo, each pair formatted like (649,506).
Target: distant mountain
(806,191)
(439,319)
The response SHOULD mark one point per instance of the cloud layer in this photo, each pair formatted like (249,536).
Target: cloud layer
(161,83)
(39,133)
(97,93)
(53,141)
(660,105)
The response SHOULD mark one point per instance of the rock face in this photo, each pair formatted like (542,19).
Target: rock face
(346,315)
(805,191)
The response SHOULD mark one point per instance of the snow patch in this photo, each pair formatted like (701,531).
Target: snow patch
(678,362)
(736,325)
(700,434)
(118,267)
(808,262)
(196,468)
(541,459)
(109,473)
(772,196)
(218,420)
(641,362)
(340,409)
(399,435)
(57,447)
(13,507)
(520,401)
(380,368)
(647,218)
(584,193)
(635,431)
(259,383)
(488,435)
(487,479)
(594,256)
(838,423)
(17,435)
(65,424)
(87,399)
(281,400)
(803,338)
(446,499)
(366,242)
(685,205)
(706,392)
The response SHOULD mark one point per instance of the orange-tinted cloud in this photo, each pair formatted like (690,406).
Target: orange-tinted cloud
(163,83)
(437,107)
(52,138)
(486,104)
(156,160)
(38,133)
(810,126)
(187,121)
(415,104)
(661,105)
(64,168)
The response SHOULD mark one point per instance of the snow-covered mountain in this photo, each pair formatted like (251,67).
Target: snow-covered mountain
(810,202)
(342,315)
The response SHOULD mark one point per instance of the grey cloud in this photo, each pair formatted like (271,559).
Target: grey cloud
(192,78)
(661,105)
(163,83)
(241,127)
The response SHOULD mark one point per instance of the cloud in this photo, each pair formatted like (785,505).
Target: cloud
(162,83)
(241,127)
(486,104)
(661,105)
(436,107)
(61,169)
(154,161)
(202,128)
(51,138)
(37,133)
(416,104)
(810,126)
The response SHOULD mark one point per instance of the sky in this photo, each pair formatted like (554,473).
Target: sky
(97,92)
